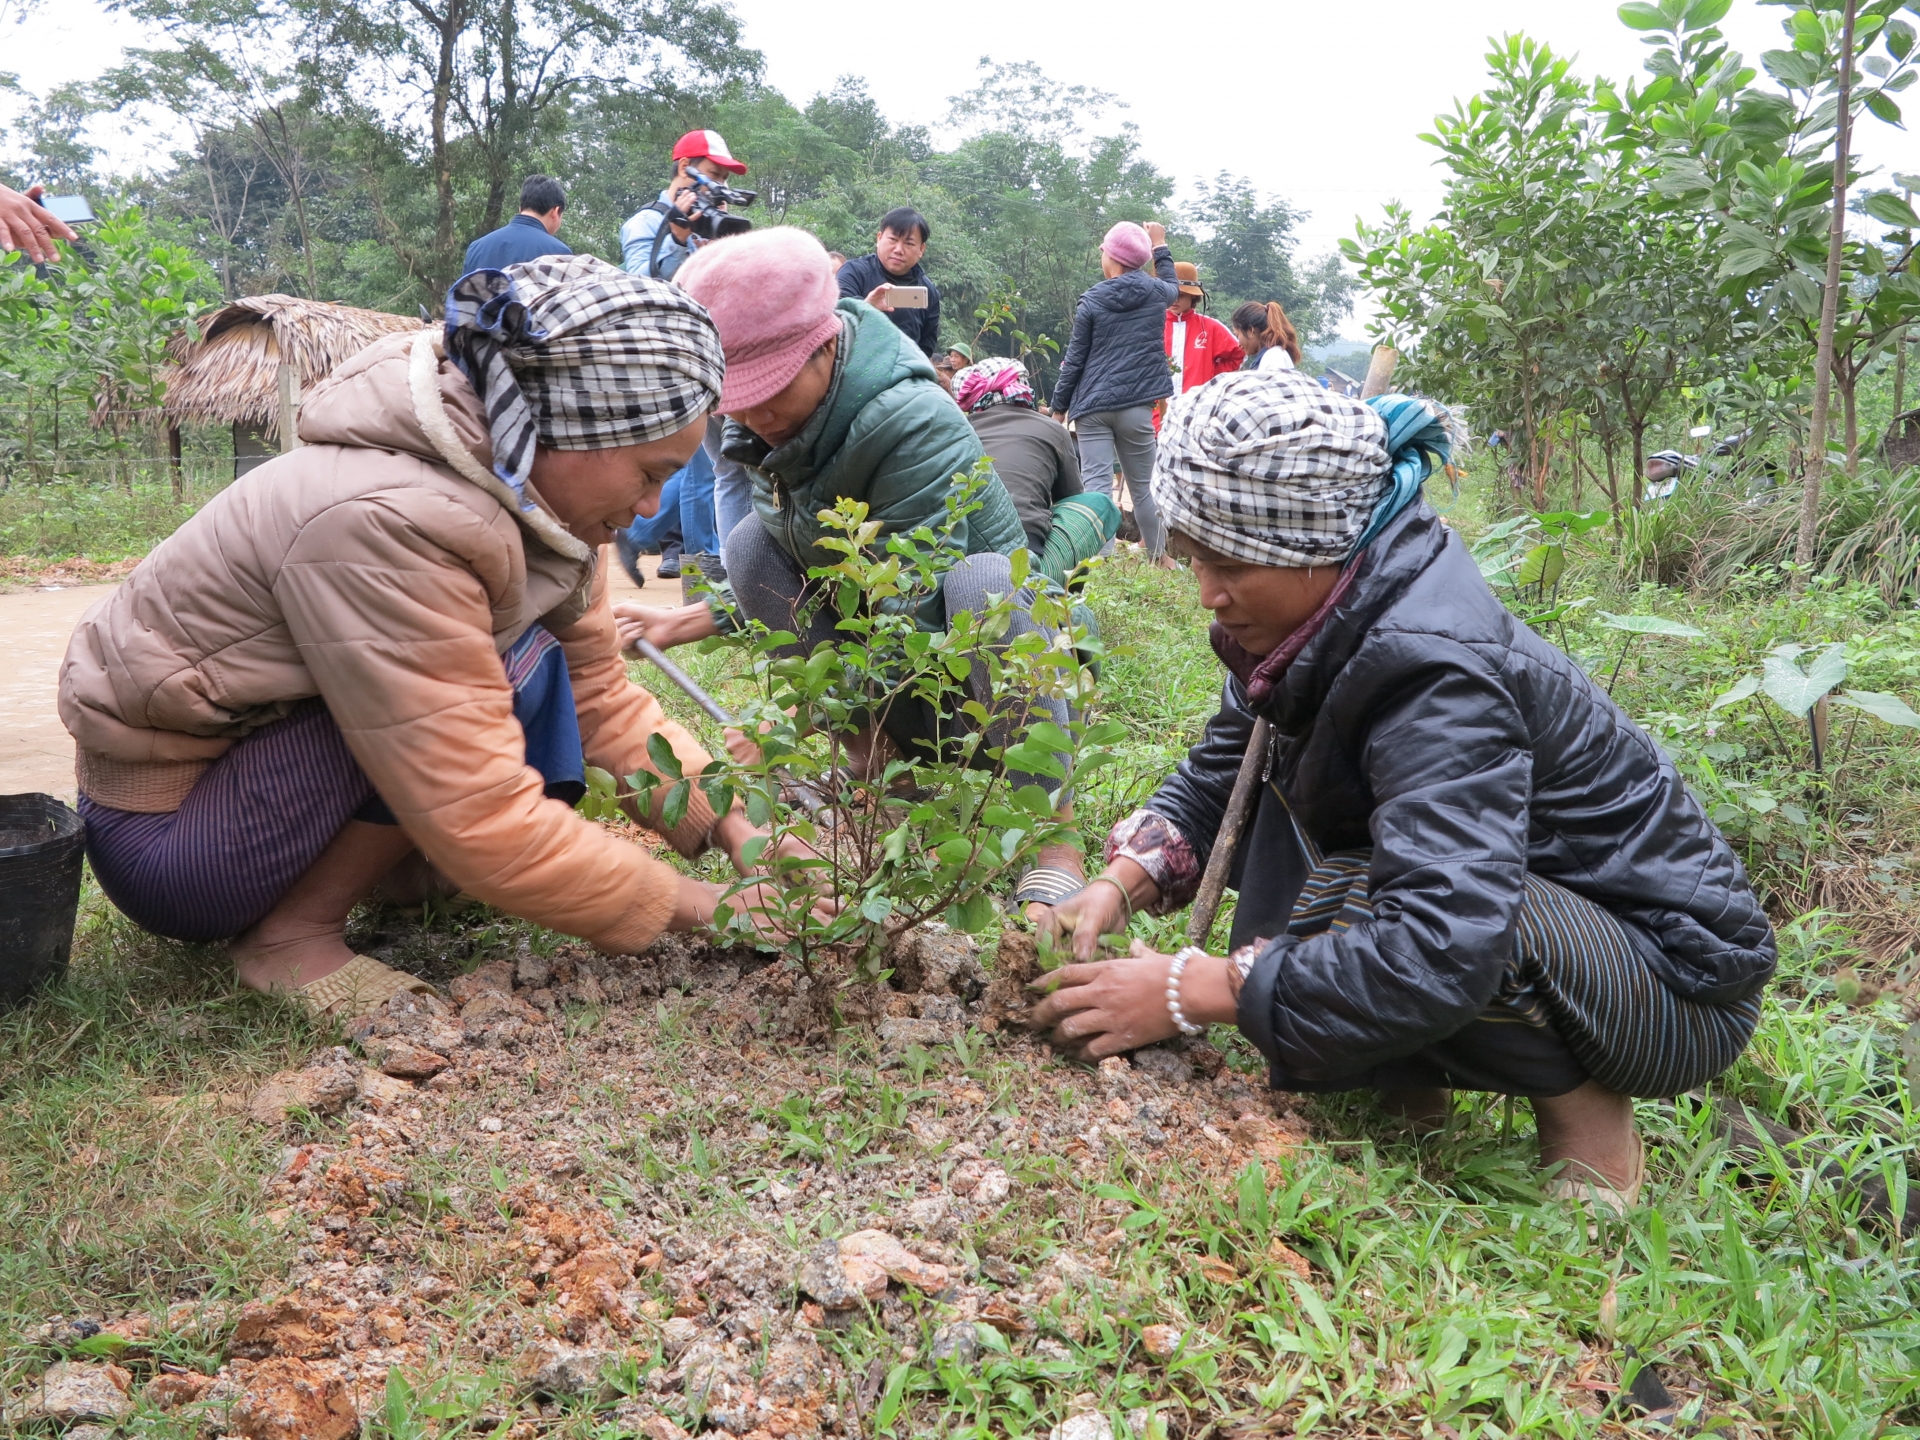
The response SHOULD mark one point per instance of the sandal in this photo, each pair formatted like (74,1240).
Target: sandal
(357,988)
(1597,1192)
(1048,885)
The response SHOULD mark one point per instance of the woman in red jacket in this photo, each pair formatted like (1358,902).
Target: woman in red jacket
(1199,346)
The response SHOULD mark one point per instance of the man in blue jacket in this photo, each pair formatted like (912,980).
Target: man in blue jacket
(896,261)
(530,234)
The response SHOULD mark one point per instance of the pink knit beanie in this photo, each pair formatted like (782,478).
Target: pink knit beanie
(1126,244)
(771,294)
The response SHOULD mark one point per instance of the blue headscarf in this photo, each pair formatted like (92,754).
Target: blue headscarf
(1418,443)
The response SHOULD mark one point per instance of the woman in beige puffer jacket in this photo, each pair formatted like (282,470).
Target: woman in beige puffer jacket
(355,650)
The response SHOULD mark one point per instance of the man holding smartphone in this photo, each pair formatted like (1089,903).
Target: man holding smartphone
(892,281)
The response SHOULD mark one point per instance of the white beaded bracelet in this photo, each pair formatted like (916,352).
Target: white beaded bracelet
(1179,1016)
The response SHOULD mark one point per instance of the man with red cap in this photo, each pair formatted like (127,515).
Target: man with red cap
(656,239)
(1199,346)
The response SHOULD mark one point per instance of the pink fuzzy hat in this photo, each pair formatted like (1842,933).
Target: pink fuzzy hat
(771,294)
(1126,244)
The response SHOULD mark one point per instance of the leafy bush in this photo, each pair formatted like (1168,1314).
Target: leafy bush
(922,837)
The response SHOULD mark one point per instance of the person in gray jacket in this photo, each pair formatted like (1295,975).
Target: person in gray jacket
(1116,367)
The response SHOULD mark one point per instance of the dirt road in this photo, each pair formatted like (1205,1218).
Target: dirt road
(36,752)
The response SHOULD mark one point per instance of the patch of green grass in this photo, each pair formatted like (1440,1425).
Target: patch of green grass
(61,520)
(123,1186)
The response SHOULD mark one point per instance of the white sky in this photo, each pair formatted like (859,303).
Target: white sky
(1322,103)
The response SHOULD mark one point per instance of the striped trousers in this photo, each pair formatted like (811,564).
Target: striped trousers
(261,814)
(1575,972)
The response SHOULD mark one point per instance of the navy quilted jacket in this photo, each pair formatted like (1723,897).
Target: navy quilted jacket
(1117,356)
(1426,722)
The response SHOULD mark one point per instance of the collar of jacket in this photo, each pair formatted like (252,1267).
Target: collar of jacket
(423,387)
(1298,686)
(873,357)
(525,219)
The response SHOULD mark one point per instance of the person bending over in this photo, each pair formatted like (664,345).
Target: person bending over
(397,637)
(828,401)
(1115,370)
(897,251)
(1466,867)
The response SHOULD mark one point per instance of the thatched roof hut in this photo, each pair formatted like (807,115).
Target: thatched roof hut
(230,374)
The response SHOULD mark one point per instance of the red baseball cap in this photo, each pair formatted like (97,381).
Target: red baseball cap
(707,145)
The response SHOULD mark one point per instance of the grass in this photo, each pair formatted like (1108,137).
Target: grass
(1444,1298)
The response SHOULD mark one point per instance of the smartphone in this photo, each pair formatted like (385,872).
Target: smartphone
(74,209)
(907,297)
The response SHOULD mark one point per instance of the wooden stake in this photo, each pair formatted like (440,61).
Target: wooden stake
(1206,903)
(1380,372)
(289,408)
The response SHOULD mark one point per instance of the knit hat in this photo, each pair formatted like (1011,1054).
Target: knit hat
(772,294)
(1127,245)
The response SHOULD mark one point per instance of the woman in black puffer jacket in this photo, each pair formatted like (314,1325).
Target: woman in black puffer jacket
(1116,367)
(1466,868)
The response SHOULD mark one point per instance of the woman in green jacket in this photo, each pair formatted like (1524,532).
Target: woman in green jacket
(827,401)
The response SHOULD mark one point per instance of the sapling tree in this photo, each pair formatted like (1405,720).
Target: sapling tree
(913,838)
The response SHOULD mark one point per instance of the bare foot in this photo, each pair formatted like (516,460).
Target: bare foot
(271,958)
(1589,1134)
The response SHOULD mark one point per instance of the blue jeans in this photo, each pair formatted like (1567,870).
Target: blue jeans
(732,487)
(685,518)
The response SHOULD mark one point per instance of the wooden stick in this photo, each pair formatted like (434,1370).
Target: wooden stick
(1239,806)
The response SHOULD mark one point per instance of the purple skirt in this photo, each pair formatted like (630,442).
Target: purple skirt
(261,814)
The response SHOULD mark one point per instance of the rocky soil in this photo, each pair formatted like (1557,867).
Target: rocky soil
(666,1193)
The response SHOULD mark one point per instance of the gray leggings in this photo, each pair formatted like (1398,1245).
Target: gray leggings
(770,588)
(1125,435)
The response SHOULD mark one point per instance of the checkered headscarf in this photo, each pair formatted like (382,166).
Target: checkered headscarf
(1268,467)
(580,355)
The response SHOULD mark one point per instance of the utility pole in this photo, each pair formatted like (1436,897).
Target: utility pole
(1816,457)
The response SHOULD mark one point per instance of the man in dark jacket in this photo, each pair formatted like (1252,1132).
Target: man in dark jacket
(895,261)
(1466,867)
(531,233)
(1115,369)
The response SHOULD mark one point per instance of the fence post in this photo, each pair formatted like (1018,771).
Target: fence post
(1379,371)
(289,408)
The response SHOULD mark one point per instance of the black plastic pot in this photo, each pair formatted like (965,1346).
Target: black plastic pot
(42,843)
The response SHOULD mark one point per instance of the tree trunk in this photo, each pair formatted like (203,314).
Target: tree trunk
(1849,382)
(1816,458)
(1639,432)
(450,23)
(1900,374)
(1613,486)
(174,462)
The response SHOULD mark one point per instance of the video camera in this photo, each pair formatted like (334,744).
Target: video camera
(707,219)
